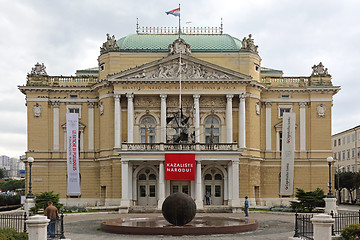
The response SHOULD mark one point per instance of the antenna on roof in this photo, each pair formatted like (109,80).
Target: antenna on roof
(221,27)
(137,25)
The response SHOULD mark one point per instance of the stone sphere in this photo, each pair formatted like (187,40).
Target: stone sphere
(179,209)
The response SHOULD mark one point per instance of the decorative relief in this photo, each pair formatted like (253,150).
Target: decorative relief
(319,70)
(101,108)
(109,45)
(216,101)
(188,70)
(90,104)
(321,109)
(38,69)
(147,101)
(179,46)
(257,108)
(173,101)
(248,44)
(37,110)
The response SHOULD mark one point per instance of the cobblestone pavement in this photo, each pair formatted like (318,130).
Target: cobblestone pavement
(271,226)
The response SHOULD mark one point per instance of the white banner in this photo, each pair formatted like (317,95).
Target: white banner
(72,142)
(287,154)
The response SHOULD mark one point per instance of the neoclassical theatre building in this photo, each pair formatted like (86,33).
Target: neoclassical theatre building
(203,97)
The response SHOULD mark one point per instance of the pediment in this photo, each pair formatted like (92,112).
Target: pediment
(168,68)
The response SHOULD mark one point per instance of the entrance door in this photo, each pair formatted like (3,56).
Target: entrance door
(147,188)
(180,186)
(214,184)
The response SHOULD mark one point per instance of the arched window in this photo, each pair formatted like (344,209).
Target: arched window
(147,130)
(218,176)
(208,177)
(212,130)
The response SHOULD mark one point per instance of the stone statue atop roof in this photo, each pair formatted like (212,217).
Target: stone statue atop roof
(109,45)
(38,69)
(319,70)
(248,44)
(179,45)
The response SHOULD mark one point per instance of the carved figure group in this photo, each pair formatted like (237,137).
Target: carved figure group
(319,70)
(38,69)
(179,46)
(109,45)
(248,43)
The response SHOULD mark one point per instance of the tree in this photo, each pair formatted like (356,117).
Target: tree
(42,199)
(307,201)
(347,180)
(3,173)
(12,185)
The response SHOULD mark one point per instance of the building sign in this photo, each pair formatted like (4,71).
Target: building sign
(287,154)
(179,166)
(72,143)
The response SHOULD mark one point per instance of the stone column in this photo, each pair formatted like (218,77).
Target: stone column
(56,125)
(268,126)
(229,122)
(91,126)
(161,184)
(198,187)
(302,127)
(163,118)
(322,226)
(130,97)
(125,202)
(230,181)
(235,168)
(197,117)
(37,227)
(117,122)
(242,119)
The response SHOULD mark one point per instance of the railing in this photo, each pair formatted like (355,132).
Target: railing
(62,80)
(303,226)
(180,147)
(71,79)
(286,81)
(14,220)
(184,30)
(343,220)
(59,228)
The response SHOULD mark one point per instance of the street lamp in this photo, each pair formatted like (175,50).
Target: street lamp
(330,160)
(30,161)
(338,182)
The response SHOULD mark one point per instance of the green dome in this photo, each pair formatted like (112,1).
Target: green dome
(201,42)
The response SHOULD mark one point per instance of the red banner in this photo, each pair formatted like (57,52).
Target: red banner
(179,166)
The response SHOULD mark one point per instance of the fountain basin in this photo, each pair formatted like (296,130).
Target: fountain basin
(198,226)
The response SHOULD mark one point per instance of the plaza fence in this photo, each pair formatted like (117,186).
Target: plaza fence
(59,228)
(14,220)
(304,227)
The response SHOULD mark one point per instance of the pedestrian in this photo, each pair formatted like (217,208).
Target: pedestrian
(246,209)
(207,197)
(51,212)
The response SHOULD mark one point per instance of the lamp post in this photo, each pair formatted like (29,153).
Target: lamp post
(330,194)
(30,161)
(338,182)
(330,199)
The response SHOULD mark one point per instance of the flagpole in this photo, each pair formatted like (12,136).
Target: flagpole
(179,67)
(179,20)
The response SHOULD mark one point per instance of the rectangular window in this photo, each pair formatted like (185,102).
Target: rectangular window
(282,110)
(353,153)
(348,139)
(353,137)
(334,143)
(74,109)
(339,142)
(217,191)
(343,155)
(343,140)
(353,168)
(348,154)
(348,168)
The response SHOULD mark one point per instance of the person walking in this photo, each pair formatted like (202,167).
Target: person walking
(246,209)
(51,212)
(207,197)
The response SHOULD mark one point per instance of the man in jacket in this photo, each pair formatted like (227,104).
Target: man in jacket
(51,212)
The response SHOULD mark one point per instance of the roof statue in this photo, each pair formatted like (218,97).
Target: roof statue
(319,70)
(179,46)
(38,69)
(109,45)
(248,44)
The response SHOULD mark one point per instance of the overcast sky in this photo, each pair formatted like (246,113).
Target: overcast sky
(66,35)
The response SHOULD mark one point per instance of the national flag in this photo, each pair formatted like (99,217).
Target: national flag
(175,12)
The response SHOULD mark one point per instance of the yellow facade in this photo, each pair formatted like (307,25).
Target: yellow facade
(220,79)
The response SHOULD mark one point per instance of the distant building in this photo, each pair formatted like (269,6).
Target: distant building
(129,120)
(12,166)
(346,152)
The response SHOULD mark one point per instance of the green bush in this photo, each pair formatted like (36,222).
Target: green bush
(307,201)
(42,199)
(11,234)
(6,200)
(351,232)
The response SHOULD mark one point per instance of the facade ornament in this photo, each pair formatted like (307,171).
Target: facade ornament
(90,104)
(37,110)
(109,45)
(179,46)
(257,108)
(39,70)
(188,70)
(248,44)
(101,108)
(319,70)
(268,104)
(321,109)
